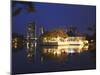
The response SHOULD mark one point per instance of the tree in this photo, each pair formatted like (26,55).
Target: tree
(17,10)
(92,29)
(72,31)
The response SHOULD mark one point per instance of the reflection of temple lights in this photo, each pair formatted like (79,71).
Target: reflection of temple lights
(54,53)
(58,50)
(70,51)
(86,47)
(79,51)
(49,51)
(57,53)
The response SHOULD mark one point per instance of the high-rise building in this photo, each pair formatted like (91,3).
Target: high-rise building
(30,35)
(30,40)
(31,31)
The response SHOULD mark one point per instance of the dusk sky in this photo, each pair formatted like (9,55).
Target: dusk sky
(55,16)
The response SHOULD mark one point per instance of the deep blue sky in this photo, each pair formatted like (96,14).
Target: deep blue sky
(55,15)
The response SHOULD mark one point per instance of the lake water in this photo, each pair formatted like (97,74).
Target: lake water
(52,58)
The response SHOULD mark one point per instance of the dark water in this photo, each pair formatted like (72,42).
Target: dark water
(50,59)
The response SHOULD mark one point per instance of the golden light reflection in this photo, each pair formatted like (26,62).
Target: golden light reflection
(57,51)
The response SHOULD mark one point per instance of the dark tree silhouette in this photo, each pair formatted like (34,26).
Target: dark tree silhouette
(29,7)
(92,29)
(72,31)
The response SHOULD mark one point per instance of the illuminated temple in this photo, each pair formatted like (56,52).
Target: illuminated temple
(57,37)
(65,41)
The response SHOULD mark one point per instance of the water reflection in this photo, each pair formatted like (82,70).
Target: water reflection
(56,53)
(61,52)
(30,49)
(30,55)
